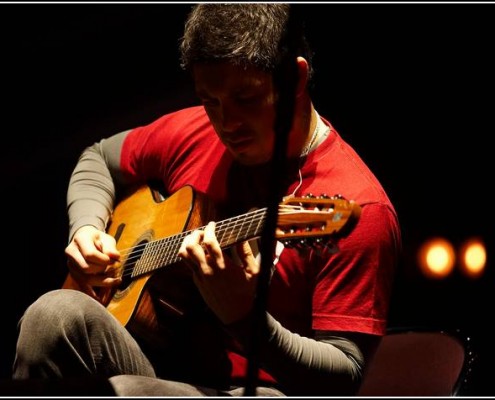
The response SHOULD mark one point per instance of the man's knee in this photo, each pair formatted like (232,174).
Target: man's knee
(133,385)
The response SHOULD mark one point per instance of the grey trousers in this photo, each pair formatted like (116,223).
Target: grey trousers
(67,334)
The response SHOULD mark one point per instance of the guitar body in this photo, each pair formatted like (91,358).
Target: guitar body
(141,304)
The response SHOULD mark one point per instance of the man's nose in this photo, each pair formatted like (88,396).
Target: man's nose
(230,119)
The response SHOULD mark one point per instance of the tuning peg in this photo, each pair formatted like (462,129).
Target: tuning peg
(318,241)
(288,244)
(302,243)
(293,244)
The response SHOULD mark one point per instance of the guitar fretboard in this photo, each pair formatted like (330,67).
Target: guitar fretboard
(163,252)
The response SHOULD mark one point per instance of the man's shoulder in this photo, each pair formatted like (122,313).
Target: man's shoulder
(193,112)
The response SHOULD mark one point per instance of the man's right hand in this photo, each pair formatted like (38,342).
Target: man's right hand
(91,258)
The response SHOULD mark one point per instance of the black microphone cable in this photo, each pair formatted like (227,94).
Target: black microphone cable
(285,81)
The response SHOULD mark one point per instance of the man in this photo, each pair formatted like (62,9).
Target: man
(326,306)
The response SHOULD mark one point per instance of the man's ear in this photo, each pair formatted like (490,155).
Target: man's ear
(302,75)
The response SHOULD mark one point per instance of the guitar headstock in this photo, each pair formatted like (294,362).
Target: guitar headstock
(315,217)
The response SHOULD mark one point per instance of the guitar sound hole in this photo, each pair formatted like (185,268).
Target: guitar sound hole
(132,264)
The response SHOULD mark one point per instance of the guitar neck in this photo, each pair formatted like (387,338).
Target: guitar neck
(163,252)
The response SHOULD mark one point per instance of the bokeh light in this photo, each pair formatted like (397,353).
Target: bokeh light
(472,257)
(436,258)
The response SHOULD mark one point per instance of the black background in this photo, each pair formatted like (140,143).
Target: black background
(410,86)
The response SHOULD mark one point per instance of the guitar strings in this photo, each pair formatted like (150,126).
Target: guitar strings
(162,252)
(168,254)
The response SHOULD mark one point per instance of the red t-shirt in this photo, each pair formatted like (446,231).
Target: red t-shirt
(345,291)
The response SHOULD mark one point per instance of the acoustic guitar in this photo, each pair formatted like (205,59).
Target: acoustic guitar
(149,231)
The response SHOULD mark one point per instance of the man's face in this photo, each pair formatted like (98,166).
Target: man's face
(240,105)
